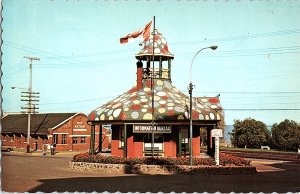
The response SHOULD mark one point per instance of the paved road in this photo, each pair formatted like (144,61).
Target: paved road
(21,173)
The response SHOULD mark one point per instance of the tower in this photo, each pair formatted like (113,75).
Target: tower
(162,59)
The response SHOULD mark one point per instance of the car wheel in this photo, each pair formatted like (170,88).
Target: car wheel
(8,149)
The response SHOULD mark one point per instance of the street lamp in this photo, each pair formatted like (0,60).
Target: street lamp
(13,87)
(28,126)
(191,96)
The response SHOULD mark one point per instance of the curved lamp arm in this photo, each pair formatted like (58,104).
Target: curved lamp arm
(211,47)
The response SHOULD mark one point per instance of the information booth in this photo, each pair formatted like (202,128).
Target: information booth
(131,114)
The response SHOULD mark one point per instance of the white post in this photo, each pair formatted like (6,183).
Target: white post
(217,142)
(217,133)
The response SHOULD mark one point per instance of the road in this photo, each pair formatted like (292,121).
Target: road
(23,173)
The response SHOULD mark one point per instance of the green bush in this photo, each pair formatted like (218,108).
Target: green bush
(286,135)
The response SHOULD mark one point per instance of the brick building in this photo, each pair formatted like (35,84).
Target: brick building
(69,131)
(130,114)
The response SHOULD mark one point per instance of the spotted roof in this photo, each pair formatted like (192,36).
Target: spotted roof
(160,47)
(169,104)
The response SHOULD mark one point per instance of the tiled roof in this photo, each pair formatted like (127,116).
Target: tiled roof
(169,105)
(160,47)
(40,123)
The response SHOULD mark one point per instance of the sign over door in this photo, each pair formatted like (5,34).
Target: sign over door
(148,129)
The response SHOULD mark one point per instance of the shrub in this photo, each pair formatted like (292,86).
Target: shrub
(230,159)
(224,159)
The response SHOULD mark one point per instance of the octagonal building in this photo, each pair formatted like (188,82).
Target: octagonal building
(131,114)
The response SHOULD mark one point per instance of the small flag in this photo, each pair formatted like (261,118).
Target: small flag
(145,33)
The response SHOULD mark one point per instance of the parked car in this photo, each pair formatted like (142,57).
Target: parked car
(6,148)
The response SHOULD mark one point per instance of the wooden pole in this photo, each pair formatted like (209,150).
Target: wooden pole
(125,140)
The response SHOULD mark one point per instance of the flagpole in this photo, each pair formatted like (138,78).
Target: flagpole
(152,88)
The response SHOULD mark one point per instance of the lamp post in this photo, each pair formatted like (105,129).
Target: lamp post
(28,90)
(191,99)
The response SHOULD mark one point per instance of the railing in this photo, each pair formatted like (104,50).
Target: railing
(147,73)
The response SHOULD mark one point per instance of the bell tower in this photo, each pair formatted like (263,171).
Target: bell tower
(162,59)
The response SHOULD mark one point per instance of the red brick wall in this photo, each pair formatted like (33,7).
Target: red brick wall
(134,147)
(196,141)
(170,149)
(115,150)
(19,142)
(7,140)
(76,127)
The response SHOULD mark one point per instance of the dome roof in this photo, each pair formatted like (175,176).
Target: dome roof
(161,48)
(169,105)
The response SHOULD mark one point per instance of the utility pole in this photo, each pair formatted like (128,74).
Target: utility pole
(30,96)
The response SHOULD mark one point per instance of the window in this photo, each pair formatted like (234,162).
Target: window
(75,140)
(83,140)
(55,138)
(121,137)
(63,138)
(158,142)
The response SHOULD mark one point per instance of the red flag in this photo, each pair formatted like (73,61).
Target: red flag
(145,33)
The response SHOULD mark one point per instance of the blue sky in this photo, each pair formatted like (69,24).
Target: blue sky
(83,65)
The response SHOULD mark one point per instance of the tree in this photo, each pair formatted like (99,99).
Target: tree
(286,135)
(250,133)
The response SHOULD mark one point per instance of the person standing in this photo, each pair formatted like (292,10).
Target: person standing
(43,149)
(52,149)
(48,148)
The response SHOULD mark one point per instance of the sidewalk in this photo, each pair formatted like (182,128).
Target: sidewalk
(265,165)
(39,153)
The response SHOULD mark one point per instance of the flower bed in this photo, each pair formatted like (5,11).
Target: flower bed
(160,169)
(225,160)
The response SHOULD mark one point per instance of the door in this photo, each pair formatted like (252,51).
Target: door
(184,141)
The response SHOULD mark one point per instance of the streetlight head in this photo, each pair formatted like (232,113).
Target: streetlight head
(214,47)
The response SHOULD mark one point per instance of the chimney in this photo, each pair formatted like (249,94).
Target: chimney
(139,75)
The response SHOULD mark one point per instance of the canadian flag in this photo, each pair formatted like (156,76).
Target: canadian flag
(145,33)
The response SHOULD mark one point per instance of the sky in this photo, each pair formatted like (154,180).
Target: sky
(83,65)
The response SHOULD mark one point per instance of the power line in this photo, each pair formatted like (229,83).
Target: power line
(244,55)
(261,109)
(79,100)
(49,55)
(243,37)
(223,92)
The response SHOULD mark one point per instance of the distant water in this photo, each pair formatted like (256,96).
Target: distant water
(227,130)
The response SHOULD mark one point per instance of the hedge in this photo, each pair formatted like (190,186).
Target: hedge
(225,159)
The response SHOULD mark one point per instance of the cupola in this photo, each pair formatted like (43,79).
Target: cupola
(162,58)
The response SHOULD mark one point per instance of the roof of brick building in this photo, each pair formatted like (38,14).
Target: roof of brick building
(40,123)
